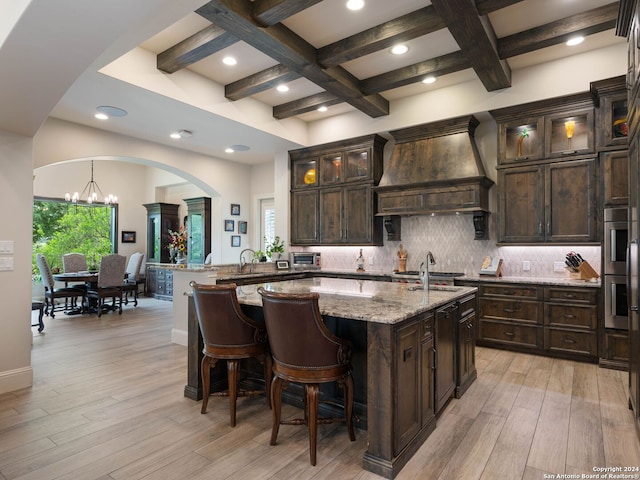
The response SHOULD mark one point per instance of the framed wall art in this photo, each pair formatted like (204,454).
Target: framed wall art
(235,240)
(128,237)
(235,209)
(228,225)
(242,227)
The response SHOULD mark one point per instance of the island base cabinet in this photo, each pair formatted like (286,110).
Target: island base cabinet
(466,351)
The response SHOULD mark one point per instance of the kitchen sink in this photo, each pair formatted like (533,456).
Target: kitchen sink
(438,288)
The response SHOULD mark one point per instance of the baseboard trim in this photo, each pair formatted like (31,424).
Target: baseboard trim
(179,336)
(12,380)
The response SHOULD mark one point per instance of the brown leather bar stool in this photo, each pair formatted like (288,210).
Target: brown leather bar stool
(230,335)
(305,351)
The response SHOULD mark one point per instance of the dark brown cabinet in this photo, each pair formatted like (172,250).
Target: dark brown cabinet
(446,326)
(550,203)
(428,352)
(408,406)
(160,282)
(332,198)
(161,217)
(615,178)
(199,229)
(466,352)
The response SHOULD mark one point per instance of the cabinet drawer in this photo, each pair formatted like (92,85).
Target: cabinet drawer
(511,334)
(427,327)
(571,315)
(573,295)
(467,305)
(528,292)
(499,309)
(559,340)
(161,273)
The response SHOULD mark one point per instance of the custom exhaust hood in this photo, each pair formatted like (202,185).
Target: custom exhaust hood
(434,168)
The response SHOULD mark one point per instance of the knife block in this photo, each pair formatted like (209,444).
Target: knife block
(586,271)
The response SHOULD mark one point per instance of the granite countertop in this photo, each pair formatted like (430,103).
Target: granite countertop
(368,300)
(554,281)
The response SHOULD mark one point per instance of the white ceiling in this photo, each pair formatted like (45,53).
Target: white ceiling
(154,114)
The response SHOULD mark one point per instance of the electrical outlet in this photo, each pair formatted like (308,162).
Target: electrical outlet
(558,266)
(526,266)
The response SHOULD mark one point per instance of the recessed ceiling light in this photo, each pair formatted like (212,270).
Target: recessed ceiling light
(239,148)
(282,88)
(575,41)
(322,109)
(101,116)
(355,4)
(229,61)
(399,49)
(429,79)
(181,134)
(229,150)
(110,111)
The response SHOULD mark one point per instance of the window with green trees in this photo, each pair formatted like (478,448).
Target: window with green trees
(60,227)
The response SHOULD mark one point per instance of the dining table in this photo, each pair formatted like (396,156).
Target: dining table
(89,277)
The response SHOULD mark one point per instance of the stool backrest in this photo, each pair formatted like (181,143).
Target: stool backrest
(221,319)
(297,333)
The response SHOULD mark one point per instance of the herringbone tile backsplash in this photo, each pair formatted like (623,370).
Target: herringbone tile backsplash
(451,240)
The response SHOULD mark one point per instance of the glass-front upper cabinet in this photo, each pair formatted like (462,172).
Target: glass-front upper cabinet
(570,133)
(198,229)
(305,173)
(331,168)
(357,167)
(521,140)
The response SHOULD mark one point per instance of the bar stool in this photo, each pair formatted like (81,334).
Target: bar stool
(230,335)
(305,351)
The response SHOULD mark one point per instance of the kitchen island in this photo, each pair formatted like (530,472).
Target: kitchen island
(400,334)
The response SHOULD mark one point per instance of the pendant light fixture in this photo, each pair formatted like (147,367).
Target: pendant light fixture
(91,189)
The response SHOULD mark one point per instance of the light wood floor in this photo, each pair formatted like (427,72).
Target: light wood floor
(107,403)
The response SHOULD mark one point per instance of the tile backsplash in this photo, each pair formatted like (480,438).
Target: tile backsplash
(451,240)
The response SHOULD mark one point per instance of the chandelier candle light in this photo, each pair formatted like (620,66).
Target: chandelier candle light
(91,189)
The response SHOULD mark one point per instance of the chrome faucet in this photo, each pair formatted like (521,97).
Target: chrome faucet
(425,275)
(243,263)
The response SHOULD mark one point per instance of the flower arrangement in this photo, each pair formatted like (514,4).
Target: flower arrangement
(178,241)
(274,247)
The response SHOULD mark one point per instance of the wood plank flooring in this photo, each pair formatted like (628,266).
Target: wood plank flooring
(107,404)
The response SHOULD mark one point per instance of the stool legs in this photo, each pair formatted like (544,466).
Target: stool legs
(311,391)
(205,367)
(233,375)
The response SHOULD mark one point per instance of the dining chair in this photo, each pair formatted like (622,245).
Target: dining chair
(51,292)
(110,278)
(131,279)
(230,335)
(72,263)
(305,351)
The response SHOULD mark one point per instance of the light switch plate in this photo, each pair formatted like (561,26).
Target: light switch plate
(558,266)
(6,247)
(526,266)
(6,264)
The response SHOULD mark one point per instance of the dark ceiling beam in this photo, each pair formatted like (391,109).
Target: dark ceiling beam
(193,49)
(413,25)
(452,62)
(270,12)
(304,105)
(292,51)
(477,40)
(587,23)
(259,82)
(488,6)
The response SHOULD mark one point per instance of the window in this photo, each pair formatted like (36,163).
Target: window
(60,227)
(267,222)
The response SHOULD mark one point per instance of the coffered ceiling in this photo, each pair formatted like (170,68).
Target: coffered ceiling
(330,56)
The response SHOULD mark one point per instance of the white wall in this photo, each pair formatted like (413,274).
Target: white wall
(15,285)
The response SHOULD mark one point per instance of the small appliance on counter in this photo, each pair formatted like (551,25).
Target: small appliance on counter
(305,260)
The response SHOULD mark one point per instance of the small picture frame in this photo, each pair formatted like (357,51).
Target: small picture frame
(228,225)
(242,227)
(128,237)
(235,240)
(282,264)
(235,209)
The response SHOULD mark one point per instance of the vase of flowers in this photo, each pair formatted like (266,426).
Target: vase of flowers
(178,245)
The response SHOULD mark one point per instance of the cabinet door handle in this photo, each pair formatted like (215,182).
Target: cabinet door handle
(406,354)
(568,315)
(540,228)
(510,334)
(568,340)
(508,310)
(569,295)
(434,364)
(548,227)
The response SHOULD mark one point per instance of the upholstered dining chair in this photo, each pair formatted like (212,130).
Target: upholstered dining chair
(71,263)
(110,280)
(132,274)
(305,351)
(51,293)
(230,335)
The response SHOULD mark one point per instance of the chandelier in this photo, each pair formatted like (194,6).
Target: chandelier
(91,189)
